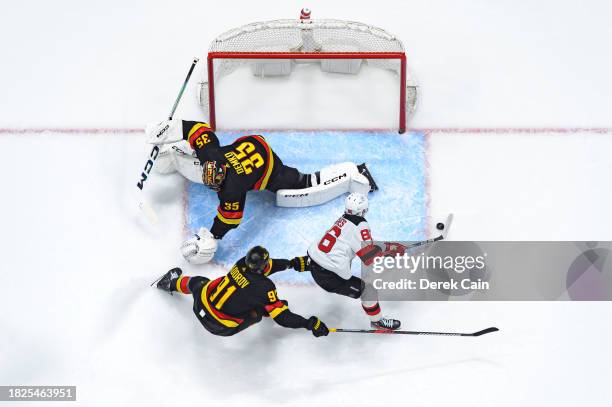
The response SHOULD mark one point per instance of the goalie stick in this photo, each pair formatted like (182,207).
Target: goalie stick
(387,331)
(143,205)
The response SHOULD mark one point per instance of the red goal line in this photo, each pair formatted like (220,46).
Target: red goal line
(426,130)
(513,130)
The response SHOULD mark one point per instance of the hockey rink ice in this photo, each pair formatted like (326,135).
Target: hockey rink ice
(78,308)
(512,134)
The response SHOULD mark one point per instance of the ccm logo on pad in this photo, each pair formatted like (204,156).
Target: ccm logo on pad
(337,178)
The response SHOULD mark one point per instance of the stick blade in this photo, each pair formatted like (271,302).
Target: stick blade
(447,225)
(485,331)
(147,210)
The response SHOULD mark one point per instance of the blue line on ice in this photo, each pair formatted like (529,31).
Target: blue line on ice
(397,210)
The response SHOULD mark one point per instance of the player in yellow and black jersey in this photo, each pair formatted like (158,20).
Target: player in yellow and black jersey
(247,164)
(231,303)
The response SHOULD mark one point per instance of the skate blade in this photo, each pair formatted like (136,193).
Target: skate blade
(363,170)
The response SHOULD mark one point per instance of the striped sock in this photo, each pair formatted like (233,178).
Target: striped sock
(372,309)
(182,285)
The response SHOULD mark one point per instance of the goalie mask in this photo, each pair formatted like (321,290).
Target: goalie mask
(213,174)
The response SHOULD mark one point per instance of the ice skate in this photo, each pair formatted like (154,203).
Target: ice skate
(168,281)
(386,323)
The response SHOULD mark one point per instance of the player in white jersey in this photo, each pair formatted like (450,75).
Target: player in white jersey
(329,259)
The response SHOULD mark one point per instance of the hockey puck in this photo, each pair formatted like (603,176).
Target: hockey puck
(440,226)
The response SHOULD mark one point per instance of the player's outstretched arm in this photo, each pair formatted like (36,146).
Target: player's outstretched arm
(289,319)
(277,265)
(297,263)
(281,314)
(229,213)
(279,311)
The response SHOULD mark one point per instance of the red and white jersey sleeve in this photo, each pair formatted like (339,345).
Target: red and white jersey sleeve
(337,248)
(365,248)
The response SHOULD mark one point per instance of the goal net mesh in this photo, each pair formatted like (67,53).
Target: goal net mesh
(307,37)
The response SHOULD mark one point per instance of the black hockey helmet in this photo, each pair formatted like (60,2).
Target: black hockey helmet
(257,259)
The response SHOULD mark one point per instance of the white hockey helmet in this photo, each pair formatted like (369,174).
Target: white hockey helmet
(356,204)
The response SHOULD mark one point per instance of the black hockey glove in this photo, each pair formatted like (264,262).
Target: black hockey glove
(301,263)
(317,327)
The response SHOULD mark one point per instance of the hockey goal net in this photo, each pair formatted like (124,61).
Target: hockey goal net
(274,48)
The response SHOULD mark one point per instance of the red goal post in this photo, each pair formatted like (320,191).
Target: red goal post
(272,48)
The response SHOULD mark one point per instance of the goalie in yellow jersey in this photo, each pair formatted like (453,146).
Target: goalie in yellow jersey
(249,163)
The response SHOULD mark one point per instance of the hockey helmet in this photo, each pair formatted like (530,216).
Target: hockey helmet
(257,259)
(356,204)
(213,174)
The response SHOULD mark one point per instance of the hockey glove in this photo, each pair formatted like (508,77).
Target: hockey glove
(301,263)
(200,248)
(317,327)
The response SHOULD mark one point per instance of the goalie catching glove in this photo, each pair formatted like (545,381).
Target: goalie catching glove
(200,248)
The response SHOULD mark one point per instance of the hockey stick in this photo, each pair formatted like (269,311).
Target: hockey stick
(388,331)
(442,236)
(143,205)
(157,279)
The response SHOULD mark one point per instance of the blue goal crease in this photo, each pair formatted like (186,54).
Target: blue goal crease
(398,209)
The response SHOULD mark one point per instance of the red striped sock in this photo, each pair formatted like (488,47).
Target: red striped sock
(182,285)
(372,311)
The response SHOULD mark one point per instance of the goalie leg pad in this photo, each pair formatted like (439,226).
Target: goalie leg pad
(165,160)
(359,183)
(190,168)
(179,157)
(329,183)
(288,178)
